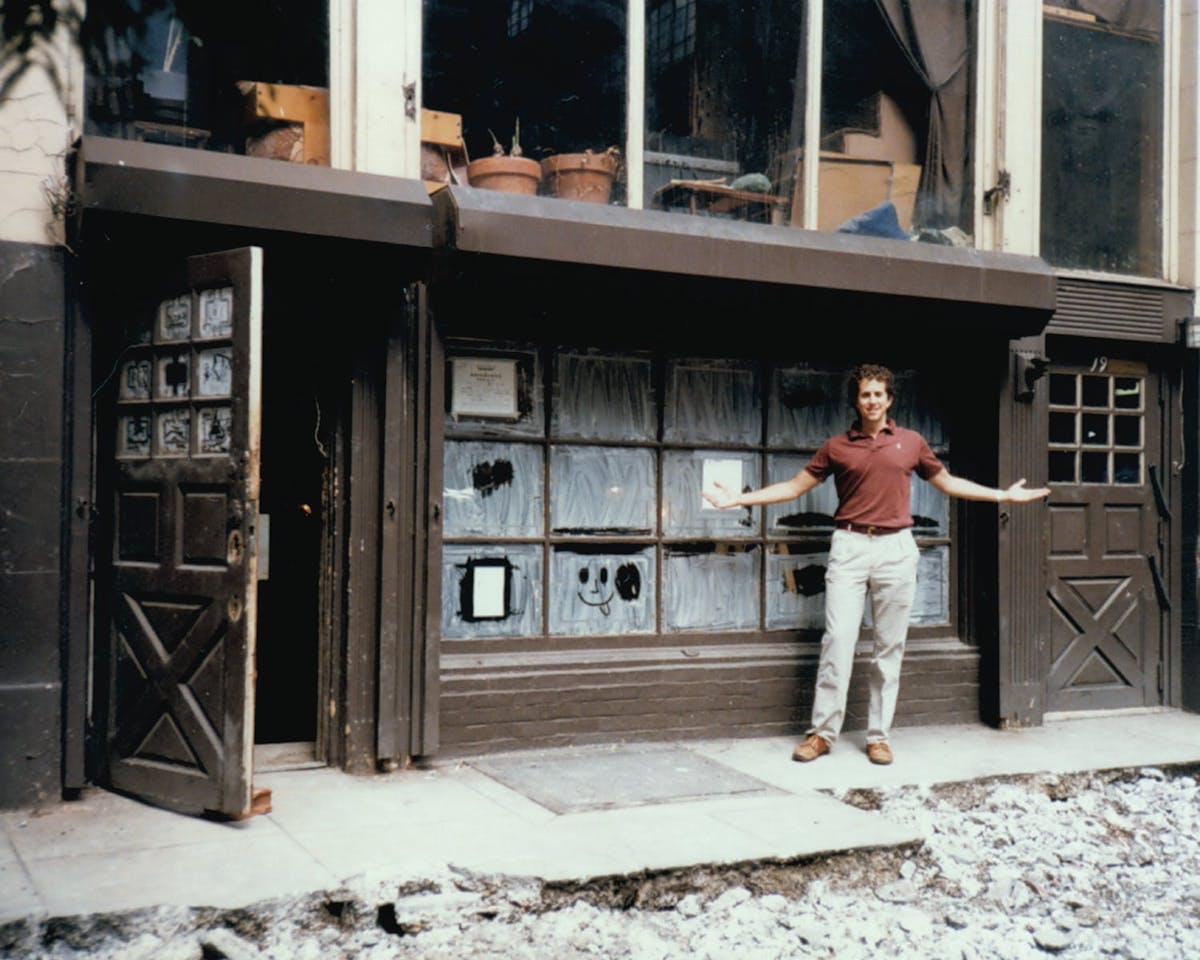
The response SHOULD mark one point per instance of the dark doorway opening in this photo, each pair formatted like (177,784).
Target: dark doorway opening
(293,470)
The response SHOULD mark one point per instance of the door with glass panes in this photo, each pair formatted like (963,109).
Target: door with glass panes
(1106,590)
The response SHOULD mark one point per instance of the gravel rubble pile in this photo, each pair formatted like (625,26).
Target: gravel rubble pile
(1089,865)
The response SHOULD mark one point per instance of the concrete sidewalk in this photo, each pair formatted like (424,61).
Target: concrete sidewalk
(561,815)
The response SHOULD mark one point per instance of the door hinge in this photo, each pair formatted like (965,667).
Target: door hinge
(410,100)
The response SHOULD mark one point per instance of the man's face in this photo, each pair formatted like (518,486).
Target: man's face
(873,402)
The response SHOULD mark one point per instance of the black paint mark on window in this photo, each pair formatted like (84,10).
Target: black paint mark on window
(807,581)
(486,477)
(629,582)
(466,589)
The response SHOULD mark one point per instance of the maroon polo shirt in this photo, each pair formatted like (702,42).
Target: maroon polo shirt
(872,473)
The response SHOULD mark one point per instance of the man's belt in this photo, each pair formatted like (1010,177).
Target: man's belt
(868,529)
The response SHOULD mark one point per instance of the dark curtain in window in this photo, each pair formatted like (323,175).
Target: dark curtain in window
(935,39)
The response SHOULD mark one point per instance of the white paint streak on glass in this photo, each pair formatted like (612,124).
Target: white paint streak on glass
(813,511)
(492,489)
(603,398)
(806,407)
(918,407)
(796,587)
(683,507)
(601,594)
(524,591)
(932,604)
(712,401)
(930,509)
(602,489)
(710,589)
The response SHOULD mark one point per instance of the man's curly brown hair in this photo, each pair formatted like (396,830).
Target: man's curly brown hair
(869,371)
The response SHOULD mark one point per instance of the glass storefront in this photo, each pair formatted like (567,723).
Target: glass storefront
(573,508)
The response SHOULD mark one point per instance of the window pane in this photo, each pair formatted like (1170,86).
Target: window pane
(712,401)
(1095,467)
(602,490)
(1127,431)
(806,406)
(603,398)
(880,123)
(685,474)
(930,509)
(491,591)
(813,511)
(710,587)
(1095,391)
(494,391)
(492,489)
(1102,138)
(796,587)
(724,107)
(547,77)
(1127,468)
(1095,428)
(189,74)
(1127,393)
(932,603)
(1062,428)
(1063,389)
(1062,466)
(599,592)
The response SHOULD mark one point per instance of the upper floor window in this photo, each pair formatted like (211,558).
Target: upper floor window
(185,73)
(1102,136)
(531,78)
(726,98)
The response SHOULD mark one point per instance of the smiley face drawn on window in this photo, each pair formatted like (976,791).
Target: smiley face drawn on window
(596,591)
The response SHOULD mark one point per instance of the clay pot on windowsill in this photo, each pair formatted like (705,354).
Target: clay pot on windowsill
(511,174)
(583,176)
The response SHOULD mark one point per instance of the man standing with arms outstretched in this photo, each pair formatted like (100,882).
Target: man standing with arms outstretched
(872,549)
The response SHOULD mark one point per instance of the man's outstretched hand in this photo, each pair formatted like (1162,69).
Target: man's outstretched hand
(721,498)
(1019,493)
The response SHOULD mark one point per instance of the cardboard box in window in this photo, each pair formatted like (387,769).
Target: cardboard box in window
(848,186)
(286,122)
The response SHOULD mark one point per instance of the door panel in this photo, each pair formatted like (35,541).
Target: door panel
(1105,616)
(184,492)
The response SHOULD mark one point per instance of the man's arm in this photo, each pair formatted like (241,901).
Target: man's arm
(970,490)
(799,485)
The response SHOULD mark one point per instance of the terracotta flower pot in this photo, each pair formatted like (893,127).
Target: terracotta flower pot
(583,176)
(512,174)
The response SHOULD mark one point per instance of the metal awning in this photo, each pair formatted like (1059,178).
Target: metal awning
(178,183)
(548,229)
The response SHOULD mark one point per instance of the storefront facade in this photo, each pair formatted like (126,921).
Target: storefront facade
(356,462)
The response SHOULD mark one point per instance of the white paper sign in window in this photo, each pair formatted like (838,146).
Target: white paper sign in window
(488,592)
(484,387)
(728,473)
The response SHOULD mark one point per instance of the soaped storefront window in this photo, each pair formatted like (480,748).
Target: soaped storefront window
(1102,136)
(572,503)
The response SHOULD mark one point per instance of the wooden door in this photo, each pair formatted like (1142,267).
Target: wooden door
(1105,586)
(182,574)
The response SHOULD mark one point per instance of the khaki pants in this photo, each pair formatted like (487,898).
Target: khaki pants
(885,566)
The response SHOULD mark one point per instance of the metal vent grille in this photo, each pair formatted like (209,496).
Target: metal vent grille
(1109,310)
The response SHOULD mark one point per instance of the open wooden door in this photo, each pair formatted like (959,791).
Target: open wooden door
(181,591)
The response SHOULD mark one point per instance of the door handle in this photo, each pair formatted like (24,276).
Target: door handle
(1164,601)
(1160,499)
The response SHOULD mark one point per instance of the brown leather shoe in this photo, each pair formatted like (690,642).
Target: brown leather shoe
(810,748)
(879,753)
